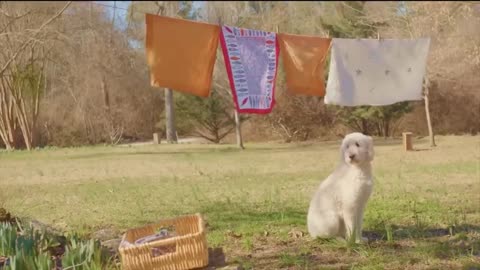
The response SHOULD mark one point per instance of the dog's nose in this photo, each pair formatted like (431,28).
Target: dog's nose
(351,157)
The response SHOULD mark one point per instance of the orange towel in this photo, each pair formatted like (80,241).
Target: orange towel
(181,54)
(303,62)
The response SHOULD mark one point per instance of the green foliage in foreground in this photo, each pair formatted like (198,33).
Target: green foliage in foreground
(28,249)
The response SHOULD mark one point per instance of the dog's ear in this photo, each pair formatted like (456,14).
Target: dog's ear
(371,152)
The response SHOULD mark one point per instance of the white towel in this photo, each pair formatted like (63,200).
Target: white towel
(376,72)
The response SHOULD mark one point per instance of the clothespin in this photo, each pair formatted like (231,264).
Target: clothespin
(161,8)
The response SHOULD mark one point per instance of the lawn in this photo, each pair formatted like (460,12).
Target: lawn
(424,212)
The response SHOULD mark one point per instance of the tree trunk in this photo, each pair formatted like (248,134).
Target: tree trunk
(169,107)
(427,113)
(217,137)
(238,130)
(386,128)
(6,121)
(21,114)
(36,109)
(364,127)
(7,116)
(170,117)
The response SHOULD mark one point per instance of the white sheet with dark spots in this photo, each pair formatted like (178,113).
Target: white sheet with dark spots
(376,72)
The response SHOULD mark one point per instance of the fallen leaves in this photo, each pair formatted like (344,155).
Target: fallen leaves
(233,234)
(295,233)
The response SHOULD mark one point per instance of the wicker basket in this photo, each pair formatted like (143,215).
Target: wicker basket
(187,250)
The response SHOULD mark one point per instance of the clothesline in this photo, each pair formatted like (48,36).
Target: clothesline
(362,71)
(126,9)
(140,12)
(114,7)
(132,11)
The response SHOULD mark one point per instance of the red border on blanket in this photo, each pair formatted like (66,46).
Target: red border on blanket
(228,67)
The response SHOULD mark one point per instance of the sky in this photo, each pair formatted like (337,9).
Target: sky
(121,12)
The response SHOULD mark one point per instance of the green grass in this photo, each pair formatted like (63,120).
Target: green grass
(424,212)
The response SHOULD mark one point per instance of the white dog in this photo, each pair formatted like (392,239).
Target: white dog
(337,207)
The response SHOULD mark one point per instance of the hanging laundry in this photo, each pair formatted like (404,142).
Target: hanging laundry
(251,60)
(303,61)
(376,72)
(181,54)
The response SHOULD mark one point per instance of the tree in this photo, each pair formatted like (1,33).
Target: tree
(347,20)
(208,118)
(380,121)
(97,85)
(22,78)
(28,85)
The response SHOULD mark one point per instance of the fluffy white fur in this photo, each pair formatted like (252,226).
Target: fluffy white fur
(337,207)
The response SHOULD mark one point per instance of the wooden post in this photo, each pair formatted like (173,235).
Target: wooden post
(169,105)
(156,138)
(170,117)
(427,113)
(238,129)
(407,141)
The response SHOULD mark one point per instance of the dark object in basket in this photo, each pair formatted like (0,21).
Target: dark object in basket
(160,251)
(162,235)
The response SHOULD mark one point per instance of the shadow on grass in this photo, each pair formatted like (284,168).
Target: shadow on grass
(216,258)
(214,149)
(223,216)
(421,149)
(193,151)
(118,154)
(413,232)
(300,253)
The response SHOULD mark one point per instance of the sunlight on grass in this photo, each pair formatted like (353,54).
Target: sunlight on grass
(420,198)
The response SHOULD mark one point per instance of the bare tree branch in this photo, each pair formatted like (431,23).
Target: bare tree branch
(14,19)
(26,43)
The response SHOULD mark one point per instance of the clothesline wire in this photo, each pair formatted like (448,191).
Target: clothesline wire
(126,9)
(114,7)
(131,11)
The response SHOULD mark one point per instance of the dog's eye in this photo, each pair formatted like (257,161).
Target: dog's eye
(357,144)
